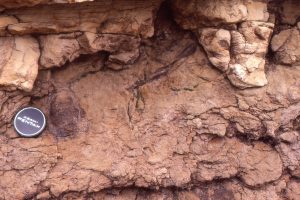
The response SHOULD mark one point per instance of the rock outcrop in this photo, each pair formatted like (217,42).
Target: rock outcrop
(154,99)
(234,34)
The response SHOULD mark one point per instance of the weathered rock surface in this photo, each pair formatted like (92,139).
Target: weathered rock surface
(290,153)
(293,190)
(193,14)
(249,47)
(239,53)
(10,102)
(130,17)
(135,108)
(237,49)
(286,46)
(216,43)
(16,3)
(59,49)
(19,62)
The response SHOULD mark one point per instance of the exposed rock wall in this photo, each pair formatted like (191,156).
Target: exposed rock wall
(153,99)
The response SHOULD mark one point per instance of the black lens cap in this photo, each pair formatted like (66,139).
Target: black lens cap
(30,122)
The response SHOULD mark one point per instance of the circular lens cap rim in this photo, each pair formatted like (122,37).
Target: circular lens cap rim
(34,134)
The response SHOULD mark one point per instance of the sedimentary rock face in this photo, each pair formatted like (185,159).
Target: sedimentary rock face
(19,62)
(194,13)
(286,46)
(239,46)
(98,17)
(181,99)
(216,43)
(249,47)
